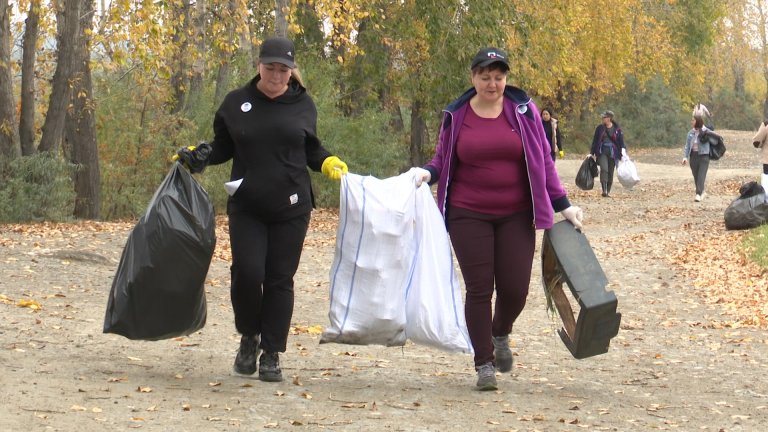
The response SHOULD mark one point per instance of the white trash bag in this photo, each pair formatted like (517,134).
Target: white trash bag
(372,261)
(392,276)
(627,172)
(434,309)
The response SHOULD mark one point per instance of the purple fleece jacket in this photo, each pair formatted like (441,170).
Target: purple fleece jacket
(547,193)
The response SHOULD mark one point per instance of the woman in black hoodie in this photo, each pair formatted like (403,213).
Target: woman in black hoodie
(268,129)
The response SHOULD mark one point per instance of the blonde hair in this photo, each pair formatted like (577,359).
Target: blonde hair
(296,74)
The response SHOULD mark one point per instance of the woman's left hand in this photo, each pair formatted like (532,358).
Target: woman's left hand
(575,215)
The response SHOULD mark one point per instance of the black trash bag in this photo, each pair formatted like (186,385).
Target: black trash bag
(749,210)
(716,144)
(158,291)
(585,177)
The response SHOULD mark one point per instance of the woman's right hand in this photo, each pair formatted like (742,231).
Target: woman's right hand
(684,161)
(420,175)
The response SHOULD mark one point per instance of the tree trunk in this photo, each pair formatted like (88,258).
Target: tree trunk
(223,74)
(198,65)
(61,94)
(179,80)
(81,127)
(738,79)
(27,117)
(419,134)
(9,133)
(281,21)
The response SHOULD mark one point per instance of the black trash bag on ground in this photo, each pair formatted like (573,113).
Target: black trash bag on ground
(585,177)
(158,291)
(749,210)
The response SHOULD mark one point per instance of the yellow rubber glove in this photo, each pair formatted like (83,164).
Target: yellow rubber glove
(561,154)
(175,157)
(334,168)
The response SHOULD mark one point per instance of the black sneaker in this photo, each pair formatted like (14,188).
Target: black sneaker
(269,367)
(245,362)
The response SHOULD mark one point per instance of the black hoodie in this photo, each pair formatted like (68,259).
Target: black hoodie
(271,143)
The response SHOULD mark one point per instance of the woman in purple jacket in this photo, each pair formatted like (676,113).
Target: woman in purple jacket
(496,184)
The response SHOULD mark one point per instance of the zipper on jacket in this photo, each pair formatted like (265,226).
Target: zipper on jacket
(525,157)
(451,145)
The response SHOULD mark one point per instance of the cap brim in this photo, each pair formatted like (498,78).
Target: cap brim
(488,62)
(268,60)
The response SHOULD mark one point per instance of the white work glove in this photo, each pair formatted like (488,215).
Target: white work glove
(575,215)
(420,175)
(624,153)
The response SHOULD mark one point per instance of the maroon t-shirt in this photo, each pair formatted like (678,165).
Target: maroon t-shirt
(491,175)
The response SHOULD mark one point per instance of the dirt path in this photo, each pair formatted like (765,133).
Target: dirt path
(675,365)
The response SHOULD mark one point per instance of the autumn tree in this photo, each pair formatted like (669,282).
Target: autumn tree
(29,54)
(81,124)
(9,132)
(68,23)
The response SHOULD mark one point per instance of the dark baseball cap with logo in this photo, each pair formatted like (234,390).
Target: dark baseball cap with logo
(488,56)
(277,50)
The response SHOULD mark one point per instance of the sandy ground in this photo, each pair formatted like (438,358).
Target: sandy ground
(676,363)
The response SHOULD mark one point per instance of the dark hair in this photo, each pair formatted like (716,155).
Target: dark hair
(698,122)
(547,109)
(491,67)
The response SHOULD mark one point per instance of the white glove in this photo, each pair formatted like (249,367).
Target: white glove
(624,153)
(575,215)
(420,175)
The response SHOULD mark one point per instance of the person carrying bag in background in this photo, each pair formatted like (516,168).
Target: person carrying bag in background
(607,148)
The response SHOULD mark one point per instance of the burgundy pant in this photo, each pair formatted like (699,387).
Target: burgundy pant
(494,253)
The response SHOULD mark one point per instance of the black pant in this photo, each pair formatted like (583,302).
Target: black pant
(265,257)
(607,164)
(699,167)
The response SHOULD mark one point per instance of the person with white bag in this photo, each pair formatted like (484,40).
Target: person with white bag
(496,184)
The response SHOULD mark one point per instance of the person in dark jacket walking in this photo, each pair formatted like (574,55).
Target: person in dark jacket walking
(268,129)
(496,184)
(608,148)
(552,131)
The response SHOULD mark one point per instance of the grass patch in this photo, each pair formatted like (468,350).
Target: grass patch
(756,245)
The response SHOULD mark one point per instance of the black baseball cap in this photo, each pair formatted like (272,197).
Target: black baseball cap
(277,50)
(487,56)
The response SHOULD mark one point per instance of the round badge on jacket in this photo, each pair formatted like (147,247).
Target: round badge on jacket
(245,107)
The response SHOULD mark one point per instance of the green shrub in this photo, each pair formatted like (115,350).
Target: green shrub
(365,141)
(36,188)
(733,111)
(137,137)
(650,115)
